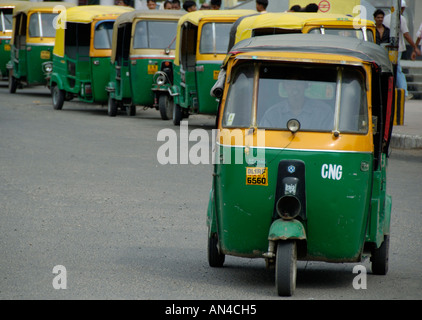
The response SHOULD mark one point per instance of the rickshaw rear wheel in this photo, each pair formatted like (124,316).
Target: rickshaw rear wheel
(379,257)
(58,97)
(286,267)
(13,84)
(177,115)
(131,110)
(215,258)
(166,106)
(111,107)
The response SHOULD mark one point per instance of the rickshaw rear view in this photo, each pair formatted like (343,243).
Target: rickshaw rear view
(304,127)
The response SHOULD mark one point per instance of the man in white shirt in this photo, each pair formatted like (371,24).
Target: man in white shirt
(403,34)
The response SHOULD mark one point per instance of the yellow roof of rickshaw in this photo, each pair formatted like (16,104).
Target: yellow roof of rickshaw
(86,14)
(298,43)
(9,4)
(149,14)
(196,16)
(296,20)
(26,6)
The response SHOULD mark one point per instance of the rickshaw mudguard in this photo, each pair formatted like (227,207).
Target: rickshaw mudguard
(55,78)
(286,229)
(211,216)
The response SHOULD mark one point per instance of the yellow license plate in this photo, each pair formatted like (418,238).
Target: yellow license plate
(7,47)
(216,72)
(152,68)
(257,176)
(45,54)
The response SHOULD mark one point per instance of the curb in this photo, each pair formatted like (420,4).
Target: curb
(406,141)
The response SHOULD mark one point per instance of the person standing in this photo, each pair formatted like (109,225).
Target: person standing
(215,4)
(261,6)
(152,4)
(382,32)
(403,34)
(189,6)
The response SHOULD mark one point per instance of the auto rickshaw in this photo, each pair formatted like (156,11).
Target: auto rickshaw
(81,55)
(301,154)
(143,46)
(33,36)
(6,13)
(302,22)
(201,45)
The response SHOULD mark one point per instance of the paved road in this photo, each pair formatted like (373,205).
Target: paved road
(85,191)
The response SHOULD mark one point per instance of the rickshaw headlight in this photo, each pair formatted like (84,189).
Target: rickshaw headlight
(293,125)
(161,79)
(48,67)
(288,207)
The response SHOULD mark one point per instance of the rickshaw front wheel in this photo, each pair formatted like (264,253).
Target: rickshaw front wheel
(379,257)
(215,258)
(286,267)
(13,84)
(58,97)
(111,107)
(165,103)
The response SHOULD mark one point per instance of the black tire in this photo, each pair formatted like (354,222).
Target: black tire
(215,258)
(379,257)
(177,115)
(166,106)
(111,107)
(286,267)
(131,110)
(13,83)
(58,97)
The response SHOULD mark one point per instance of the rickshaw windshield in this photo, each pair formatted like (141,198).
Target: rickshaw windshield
(354,33)
(306,93)
(215,38)
(155,35)
(42,25)
(6,20)
(103,35)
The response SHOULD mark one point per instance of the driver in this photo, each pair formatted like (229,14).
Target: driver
(312,114)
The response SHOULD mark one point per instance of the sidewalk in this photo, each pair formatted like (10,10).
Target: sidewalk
(409,135)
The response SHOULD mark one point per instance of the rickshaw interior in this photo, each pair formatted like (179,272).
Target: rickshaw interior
(6,19)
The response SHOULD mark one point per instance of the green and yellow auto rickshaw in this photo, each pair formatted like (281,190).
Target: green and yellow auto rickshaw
(301,22)
(33,36)
(201,45)
(6,13)
(301,155)
(81,56)
(143,46)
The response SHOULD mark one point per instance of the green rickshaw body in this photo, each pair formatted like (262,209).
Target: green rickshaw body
(81,57)
(143,48)
(334,231)
(201,45)
(33,37)
(6,23)
(301,152)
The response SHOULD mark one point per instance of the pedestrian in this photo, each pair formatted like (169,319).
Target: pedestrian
(215,4)
(152,4)
(205,6)
(168,5)
(261,6)
(418,41)
(176,5)
(189,6)
(382,32)
(403,34)
(295,8)
(312,7)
